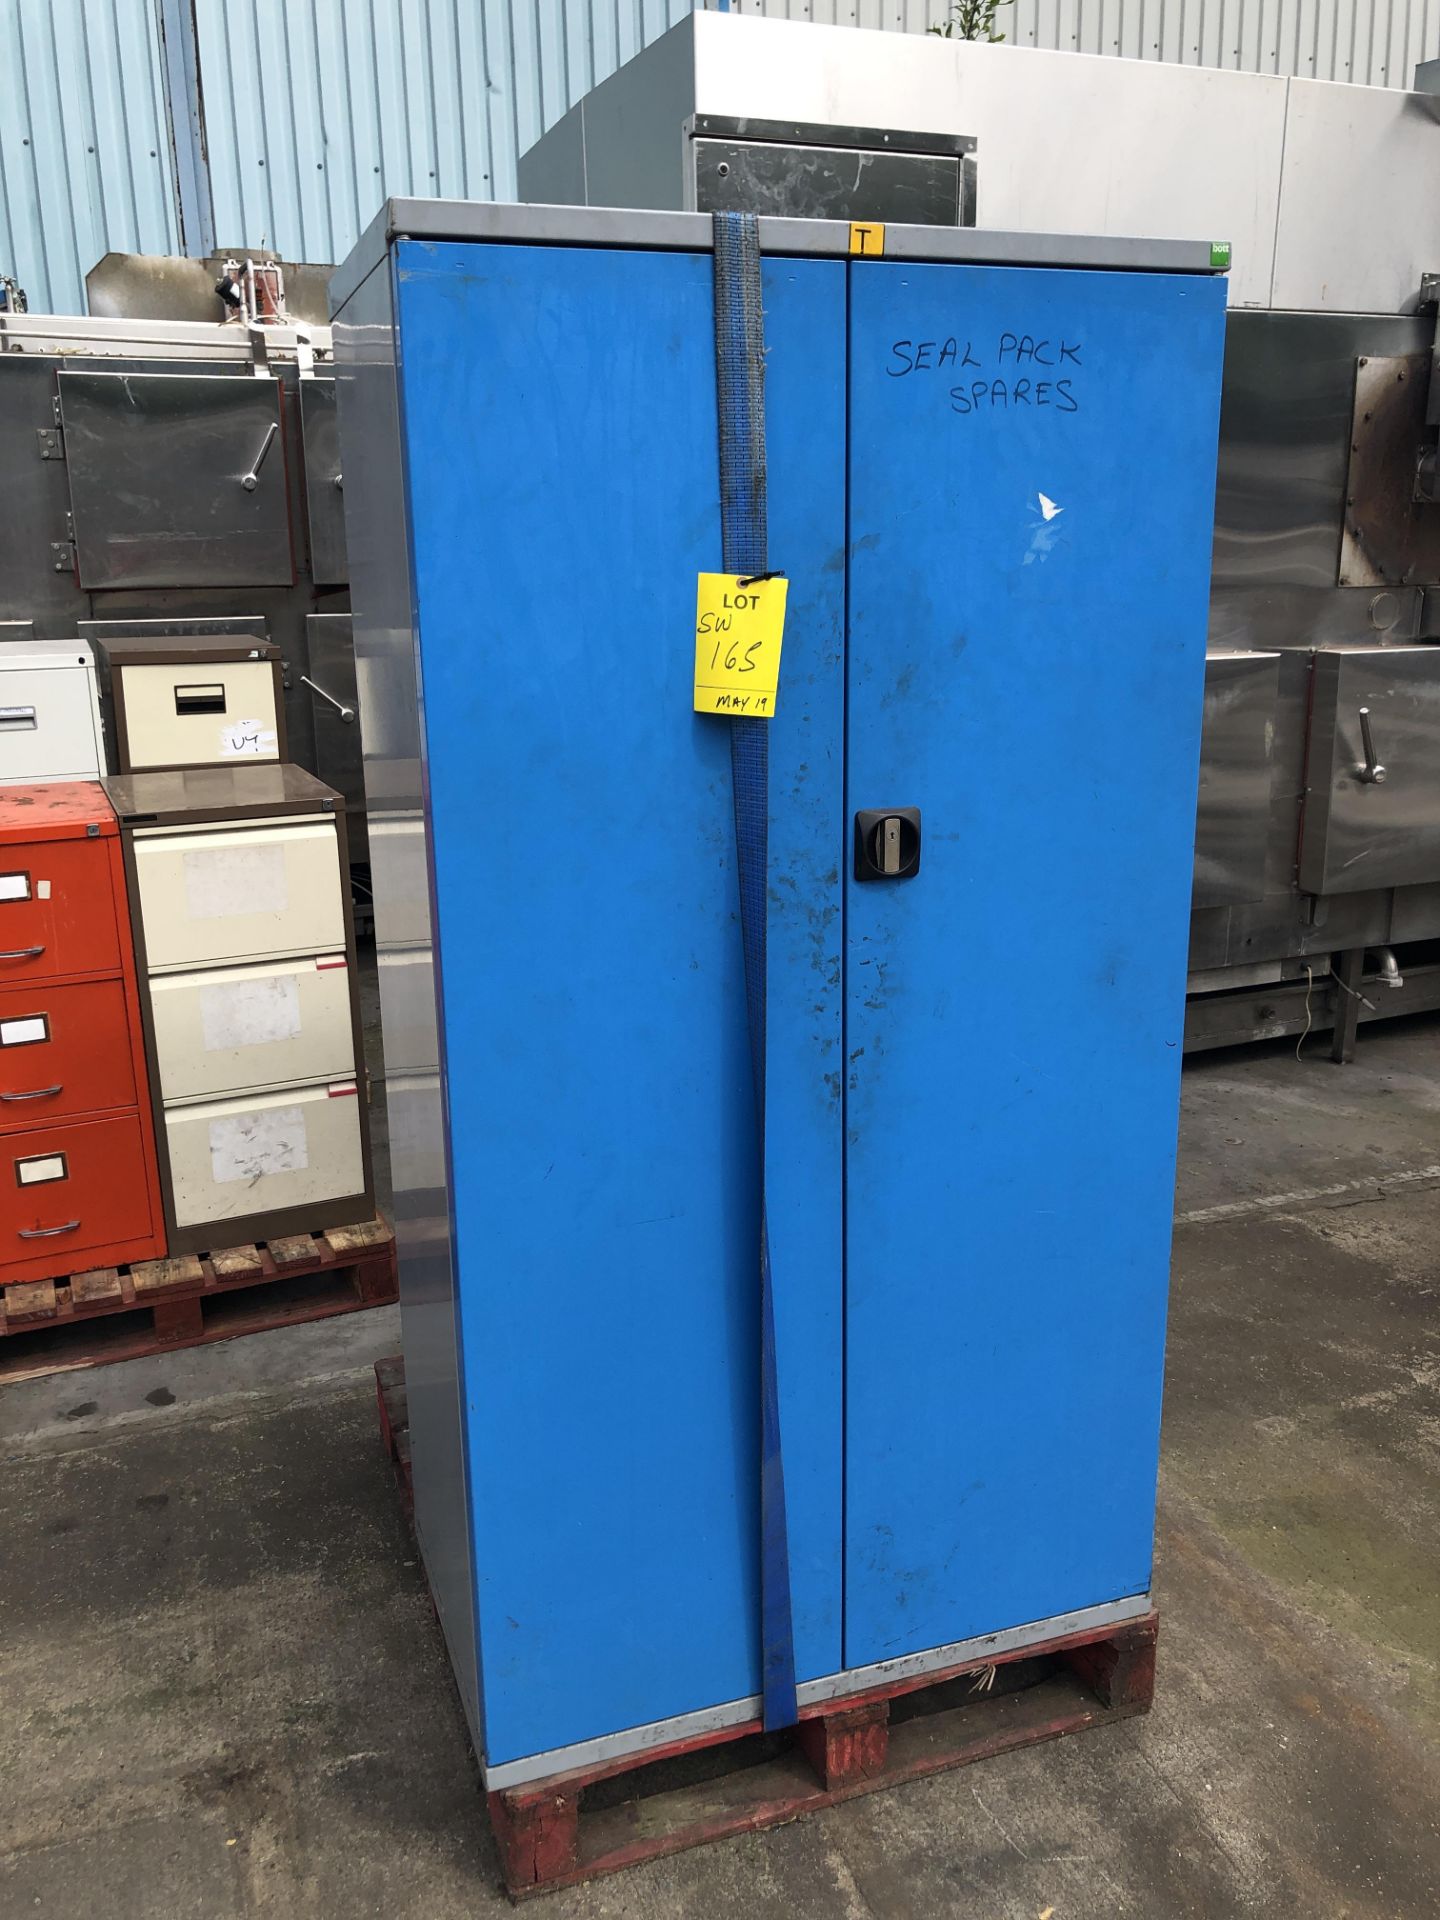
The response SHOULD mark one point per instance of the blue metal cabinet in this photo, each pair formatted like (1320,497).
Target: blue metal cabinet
(990,487)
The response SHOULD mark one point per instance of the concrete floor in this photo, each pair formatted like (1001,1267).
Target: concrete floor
(223,1692)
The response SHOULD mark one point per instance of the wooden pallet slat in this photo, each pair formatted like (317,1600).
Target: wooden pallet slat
(155,1276)
(293,1249)
(365,1233)
(30,1300)
(549,1836)
(232,1263)
(98,1284)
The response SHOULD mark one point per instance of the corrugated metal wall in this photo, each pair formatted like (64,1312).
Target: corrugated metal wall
(85,164)
(314,110)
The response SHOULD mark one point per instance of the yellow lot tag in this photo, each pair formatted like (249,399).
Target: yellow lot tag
(739,626)
(867,238)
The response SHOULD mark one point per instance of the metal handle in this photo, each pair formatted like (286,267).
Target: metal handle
(22,953)
(887,847)
(47,1233)
(15,718)
(251,480)
(40,1093)
(345,713)
(1372,771)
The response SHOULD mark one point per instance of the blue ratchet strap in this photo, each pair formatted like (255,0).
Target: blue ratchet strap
(740,391)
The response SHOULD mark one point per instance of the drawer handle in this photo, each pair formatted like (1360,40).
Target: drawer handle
(47,1233)
(208,699)
(15,719)
(40,1093)
(22,953)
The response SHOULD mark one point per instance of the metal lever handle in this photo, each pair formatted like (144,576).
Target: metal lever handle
(22,953)
(1371,771)
(251,480)
(47,1233)
(40,1093)
(345,713)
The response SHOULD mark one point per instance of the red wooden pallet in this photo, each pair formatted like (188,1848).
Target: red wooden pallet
(119,1313)
(576,1826)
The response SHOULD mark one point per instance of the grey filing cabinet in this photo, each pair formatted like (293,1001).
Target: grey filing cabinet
(190,700)
(245,943)
(49,713)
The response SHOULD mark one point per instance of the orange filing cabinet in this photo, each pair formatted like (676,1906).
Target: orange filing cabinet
(78,1172)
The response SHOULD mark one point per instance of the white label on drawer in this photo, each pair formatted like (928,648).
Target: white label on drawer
(20,1033)
(14,886)
(248,1146)
(223,881)
(44,1166)
(42,889)
(250,1013)
(251,737)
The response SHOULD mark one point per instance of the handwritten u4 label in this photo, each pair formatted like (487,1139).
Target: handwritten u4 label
(739,626)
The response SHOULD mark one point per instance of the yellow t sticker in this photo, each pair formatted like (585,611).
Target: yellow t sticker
(739,625)
(867,239)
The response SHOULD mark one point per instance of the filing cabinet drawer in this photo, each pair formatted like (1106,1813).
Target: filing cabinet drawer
(50,720)
(57,910)
(266,1153)
(211,897)
(64,1051)
(195,713)
(233,1029)
(77,1195)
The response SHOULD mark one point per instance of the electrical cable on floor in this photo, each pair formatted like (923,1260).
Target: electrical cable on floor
(1309,982)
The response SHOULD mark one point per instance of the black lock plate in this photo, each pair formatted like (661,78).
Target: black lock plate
(887,843)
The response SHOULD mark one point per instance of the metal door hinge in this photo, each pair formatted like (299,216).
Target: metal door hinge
(62,556)
(52,443)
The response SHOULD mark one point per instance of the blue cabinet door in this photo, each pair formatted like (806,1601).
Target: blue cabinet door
(1031,475)
(559,427)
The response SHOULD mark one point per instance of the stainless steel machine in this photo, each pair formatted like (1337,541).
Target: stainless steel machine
(1316,900)
(172,480)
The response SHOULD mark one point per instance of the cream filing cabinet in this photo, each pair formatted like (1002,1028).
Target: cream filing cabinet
(49,713)
(245,942)
(183,700)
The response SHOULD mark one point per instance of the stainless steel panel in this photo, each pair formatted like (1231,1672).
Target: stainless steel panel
(1390,538)
(367,388)
(176,480)
(1235,752)
(335,713)
(1373,820)
(1285,443)
(149,285)
(37,582)
(827,183)
(1286,616)
(324,501)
